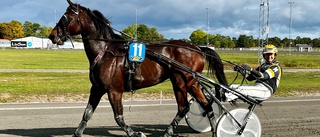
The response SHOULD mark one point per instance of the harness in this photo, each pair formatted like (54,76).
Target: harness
(129,65)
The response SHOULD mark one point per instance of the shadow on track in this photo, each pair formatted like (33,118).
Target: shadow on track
(106,131)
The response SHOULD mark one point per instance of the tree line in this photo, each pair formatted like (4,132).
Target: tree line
(199,37)
(15,29)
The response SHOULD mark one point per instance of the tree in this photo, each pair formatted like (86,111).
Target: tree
(211,39)
(11,30)
(231,44)
(35,29)
(144,33)
(285,42)
(306,40)
(217,44)
(235,41)
(44,31)
(220,41)
(316,42)
(245,41)
(217,40)
(275,41)
(228,42)
(28,29)
(198,37)
(297,40)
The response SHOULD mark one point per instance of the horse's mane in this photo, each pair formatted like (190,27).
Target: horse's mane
(102,24)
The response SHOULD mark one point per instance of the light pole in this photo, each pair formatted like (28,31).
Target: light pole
(55,15)
(55,21)
(136,33)
(207,26)
(290,43)
(263,28)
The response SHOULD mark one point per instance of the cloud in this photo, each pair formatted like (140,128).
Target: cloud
(179,18)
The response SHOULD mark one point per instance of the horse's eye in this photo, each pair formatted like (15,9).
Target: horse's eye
(64,20)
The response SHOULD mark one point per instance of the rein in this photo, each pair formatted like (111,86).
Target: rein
(105,49)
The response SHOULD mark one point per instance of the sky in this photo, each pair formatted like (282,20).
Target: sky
(179,18)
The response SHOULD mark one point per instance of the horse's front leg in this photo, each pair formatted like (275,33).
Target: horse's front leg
(115,99)
(94,99)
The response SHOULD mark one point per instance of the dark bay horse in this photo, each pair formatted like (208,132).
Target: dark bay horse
(106,53)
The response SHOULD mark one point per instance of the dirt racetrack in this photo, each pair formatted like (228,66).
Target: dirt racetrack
(291,119)
(280,117)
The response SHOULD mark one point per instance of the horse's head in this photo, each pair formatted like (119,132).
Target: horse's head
(68,25)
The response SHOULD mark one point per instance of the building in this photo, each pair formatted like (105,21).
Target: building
(43,43)
(304,48)
(71,45)
(31,42)
(4,43)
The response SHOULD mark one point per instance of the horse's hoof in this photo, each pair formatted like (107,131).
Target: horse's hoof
(168,132)
(74,135)
(138,134)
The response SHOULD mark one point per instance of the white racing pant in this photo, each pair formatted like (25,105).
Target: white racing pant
(257,90)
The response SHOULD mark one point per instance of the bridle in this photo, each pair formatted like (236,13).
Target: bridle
(65,22)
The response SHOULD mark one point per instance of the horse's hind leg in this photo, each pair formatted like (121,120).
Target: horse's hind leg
(205,102)
(180,90)
(93,102)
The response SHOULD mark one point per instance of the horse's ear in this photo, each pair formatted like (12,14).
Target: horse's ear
(70,3)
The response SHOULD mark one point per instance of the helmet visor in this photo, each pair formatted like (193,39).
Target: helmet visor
(269,50)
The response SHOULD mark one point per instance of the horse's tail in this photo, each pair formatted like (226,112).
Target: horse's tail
(215,65)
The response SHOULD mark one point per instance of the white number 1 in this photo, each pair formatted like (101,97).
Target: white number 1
(135,49)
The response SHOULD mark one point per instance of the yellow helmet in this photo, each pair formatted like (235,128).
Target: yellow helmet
(270,49)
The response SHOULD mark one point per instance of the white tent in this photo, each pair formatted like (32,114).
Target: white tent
(43,43)
(68,45)
(31,42)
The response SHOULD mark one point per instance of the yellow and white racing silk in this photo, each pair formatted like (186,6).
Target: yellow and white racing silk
(267,78)
(270,75)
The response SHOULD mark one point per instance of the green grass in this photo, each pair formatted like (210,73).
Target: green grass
(22,84)
(16,85)
(300,61)
(295,60)
(299,83)
(76,59)
(43,59)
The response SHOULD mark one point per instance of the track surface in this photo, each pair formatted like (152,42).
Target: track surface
(282,117)
(87,71)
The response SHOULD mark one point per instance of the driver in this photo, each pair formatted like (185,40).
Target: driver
(267,77)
